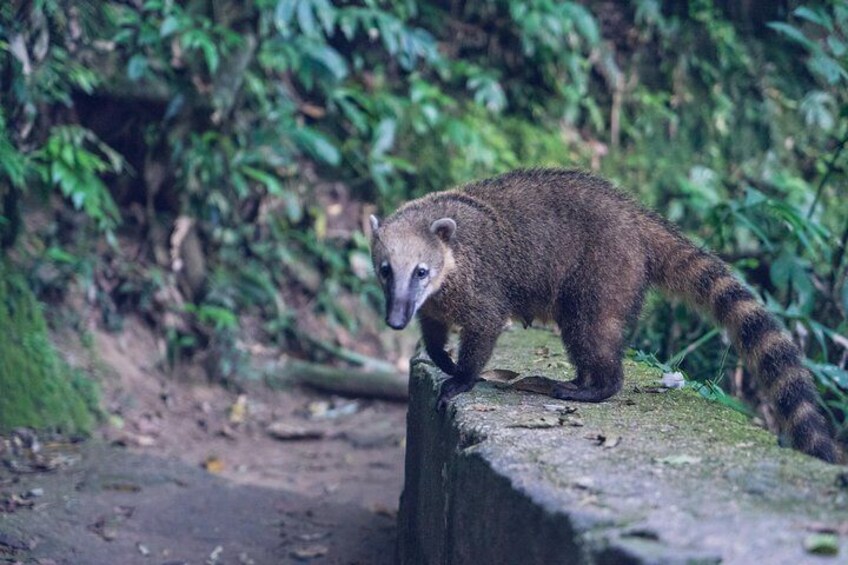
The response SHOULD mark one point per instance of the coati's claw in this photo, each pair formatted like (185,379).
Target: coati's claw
(450,388)
(571,390)
(565,390)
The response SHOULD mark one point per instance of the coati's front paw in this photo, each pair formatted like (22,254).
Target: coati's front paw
(450,388)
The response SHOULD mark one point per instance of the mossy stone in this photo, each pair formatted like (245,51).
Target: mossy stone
(37,389)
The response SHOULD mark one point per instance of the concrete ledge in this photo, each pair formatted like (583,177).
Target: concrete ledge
(649,477)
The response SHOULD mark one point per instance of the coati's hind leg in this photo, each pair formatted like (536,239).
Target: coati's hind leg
(593,334)
(599,372)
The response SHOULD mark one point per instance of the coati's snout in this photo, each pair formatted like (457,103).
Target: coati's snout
(411,261)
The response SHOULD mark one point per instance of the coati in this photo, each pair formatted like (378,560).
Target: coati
(568,247)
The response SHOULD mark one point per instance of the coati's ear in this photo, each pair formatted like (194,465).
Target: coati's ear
(445,228)
(375,223)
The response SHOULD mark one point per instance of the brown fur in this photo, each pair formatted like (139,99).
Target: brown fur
(566,246)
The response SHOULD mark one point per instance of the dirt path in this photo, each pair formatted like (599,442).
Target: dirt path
(191,473)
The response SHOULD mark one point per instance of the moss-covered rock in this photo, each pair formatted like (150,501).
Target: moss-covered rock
(37,389)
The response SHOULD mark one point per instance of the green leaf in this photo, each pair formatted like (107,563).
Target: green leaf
(384,136)
(837,46)
(317,145)
(827,67)
(792,33)
(584,22)
(816,17)
(326,14)
(306,19)
(169,25)
(271,182)
(137,67)
(328,58)
(283,16)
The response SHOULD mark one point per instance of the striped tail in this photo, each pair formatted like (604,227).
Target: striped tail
(684,270)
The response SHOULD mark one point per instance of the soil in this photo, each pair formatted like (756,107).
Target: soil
(184,471)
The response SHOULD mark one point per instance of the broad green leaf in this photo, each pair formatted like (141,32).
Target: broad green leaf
(326,14)
(317,145)
(384,136)
(815,16)
(137,67)
(827,67)
(284,15)
(584,22)
(271,182)
(837,46)
(328,58)
(793,33)
(169,25)
(306,18)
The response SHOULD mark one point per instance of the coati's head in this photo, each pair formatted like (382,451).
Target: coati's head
(411,258)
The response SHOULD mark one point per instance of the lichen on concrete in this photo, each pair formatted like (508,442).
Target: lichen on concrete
(652,475)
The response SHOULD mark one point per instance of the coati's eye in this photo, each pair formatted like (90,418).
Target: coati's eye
(422,272)
(385,271)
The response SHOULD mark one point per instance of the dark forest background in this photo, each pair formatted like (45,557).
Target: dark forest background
(209,166)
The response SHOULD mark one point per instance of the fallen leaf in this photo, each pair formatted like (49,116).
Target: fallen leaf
(309,552)
(822,544)
(573,421)
(603,440)
(678,460)
(611,442)
(11,502)
(122,487)
(535,383)
(213,464)
(215,555)
(323,410)
(130,439)
(498,375)
(238,411)
(104,528)
(35,493)
(286,432)
(585,483)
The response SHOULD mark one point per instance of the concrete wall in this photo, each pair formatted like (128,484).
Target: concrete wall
(651,476)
